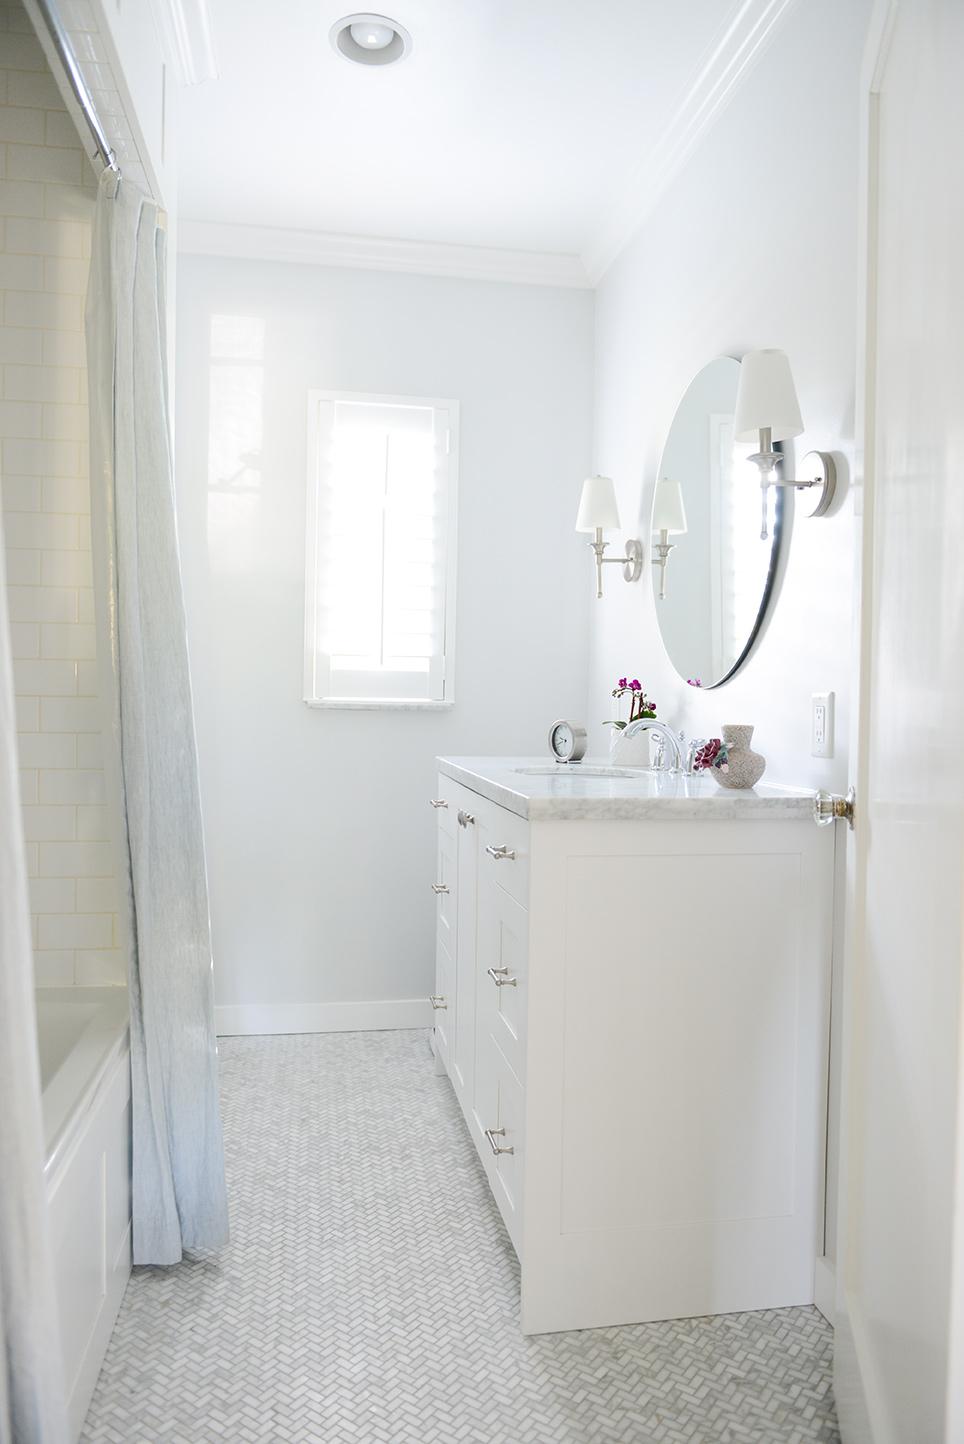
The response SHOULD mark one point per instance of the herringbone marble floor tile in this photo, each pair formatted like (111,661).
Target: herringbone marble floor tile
(369,1295)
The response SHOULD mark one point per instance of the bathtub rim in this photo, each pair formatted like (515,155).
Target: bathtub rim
(72,1091)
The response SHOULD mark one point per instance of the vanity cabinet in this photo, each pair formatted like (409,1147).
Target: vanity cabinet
(632,1005)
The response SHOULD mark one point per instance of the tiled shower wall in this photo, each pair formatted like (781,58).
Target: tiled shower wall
(46,203)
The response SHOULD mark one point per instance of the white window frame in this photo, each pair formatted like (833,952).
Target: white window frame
(310,691)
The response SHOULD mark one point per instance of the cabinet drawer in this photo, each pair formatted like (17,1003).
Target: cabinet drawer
(501,1113)
(504,851)
(502,970)
(444,804)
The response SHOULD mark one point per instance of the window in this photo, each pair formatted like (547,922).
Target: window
(380,597)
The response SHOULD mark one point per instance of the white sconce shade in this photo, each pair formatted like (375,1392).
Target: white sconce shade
(766,398)
(597,505)
(669,514)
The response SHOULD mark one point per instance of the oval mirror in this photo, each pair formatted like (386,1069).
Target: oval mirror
(713,574)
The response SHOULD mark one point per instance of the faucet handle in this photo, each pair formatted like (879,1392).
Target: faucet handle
(695,746)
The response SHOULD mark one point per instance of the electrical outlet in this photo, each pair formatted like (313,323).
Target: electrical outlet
(821,724)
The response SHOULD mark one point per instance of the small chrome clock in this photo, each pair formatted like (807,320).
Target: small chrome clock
(567,742)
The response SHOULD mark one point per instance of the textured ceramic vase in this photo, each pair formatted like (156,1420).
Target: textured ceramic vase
(745,766)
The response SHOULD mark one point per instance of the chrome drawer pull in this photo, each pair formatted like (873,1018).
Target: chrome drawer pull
(438,1002)
(492,1134)
(465,818)
(500,852)
(438,802)
(500,976)
(438,887)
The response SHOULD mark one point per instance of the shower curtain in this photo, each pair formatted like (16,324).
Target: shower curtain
(31,1386)
(179,1197)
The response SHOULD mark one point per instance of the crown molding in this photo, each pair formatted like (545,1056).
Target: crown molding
(372,253)
(725,64)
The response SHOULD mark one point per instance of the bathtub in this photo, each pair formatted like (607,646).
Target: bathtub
(85,1076)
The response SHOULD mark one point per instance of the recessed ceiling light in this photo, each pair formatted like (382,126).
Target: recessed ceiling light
(370,39)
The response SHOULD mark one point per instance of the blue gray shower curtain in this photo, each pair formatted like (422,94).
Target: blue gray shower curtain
(179,1197)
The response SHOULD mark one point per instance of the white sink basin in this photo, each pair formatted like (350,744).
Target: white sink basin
(575,769)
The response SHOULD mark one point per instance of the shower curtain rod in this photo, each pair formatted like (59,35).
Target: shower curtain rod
(58,35)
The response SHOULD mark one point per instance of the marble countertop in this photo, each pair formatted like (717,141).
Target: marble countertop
(565,796)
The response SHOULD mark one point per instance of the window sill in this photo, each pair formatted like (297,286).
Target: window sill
(377,704)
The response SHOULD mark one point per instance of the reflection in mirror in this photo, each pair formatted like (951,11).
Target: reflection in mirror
(712,574)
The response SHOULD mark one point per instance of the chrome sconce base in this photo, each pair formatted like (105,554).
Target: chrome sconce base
(631,563)
(820,473)
(661,551)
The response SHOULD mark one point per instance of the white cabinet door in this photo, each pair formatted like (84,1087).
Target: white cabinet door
(462,1070)
(502,965)
(501,1112)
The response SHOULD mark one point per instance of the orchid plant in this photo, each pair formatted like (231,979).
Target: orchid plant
(639,705)
(712,754)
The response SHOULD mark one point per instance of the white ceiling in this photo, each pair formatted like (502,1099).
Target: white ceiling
(513,123)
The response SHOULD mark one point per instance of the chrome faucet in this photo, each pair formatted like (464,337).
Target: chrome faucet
(650,724)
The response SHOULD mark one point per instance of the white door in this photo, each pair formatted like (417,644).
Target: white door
(899,1351)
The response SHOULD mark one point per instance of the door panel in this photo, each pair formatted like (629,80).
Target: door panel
(897,1367)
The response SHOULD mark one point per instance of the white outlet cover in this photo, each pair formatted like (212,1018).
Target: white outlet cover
(821,724)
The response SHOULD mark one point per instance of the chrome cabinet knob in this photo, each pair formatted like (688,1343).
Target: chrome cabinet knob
(438,887)
(827,808)
(437,1002)
(465,818)
(438,802)
(500,976)
(491,1135)
(501,852)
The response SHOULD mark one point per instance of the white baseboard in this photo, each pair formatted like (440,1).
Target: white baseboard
(825,1288)
(232,1019)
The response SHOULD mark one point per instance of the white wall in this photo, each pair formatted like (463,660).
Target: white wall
(753,245)
(320,838)
(46,204)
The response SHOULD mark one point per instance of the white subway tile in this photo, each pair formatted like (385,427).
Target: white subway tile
(45,679)
(44,530)
(53,969)
(73,641)
(24,639)
(66,786)
(42,604)
(92,822)
(45,163)
(69,714)
(101,969)
(20,419)
(21,124)
(28,713)
(23,52)
(43,458)
(64,348)
(75,859)
(66,275)
(97,895)
(20,493)
(32,853)
(28,785)
(43,310)
(90,750)
(49,824)
(22,568)
(21,198)
(60,129)
(88,680)
(44,238)
(20,346)
(41,383)
(47,750)
(70,202)
(21,273)
(65,569)
(69,494)
(64,423)
(54,895)
(85,605)
(76,930)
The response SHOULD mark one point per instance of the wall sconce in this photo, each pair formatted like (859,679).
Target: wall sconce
(598,512)
(669,519)
(767,407)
